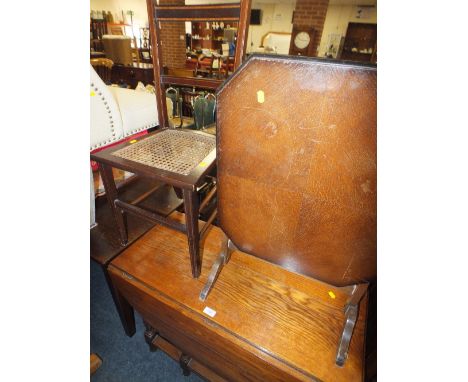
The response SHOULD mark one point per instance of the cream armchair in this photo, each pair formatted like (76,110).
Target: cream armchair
(117,114)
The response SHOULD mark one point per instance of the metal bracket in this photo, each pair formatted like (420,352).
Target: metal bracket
(351,310)
(223,259)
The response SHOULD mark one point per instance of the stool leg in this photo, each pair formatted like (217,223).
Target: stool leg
(191,207)
(178,192)
(111,194)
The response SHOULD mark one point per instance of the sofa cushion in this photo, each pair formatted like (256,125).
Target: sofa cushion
(138,109)
(106,123)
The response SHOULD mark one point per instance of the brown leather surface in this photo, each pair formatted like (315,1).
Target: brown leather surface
(297,172)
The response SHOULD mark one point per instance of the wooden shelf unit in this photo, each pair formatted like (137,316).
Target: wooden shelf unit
(97,29)
(209,38)
(360,43)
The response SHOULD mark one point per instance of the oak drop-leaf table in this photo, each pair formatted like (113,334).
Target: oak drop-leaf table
(260,322)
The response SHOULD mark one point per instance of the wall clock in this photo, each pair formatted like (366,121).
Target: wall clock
(302,41)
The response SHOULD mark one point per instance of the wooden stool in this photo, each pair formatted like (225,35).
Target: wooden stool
(179,158)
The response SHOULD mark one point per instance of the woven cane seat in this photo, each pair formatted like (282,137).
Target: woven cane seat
(171,150)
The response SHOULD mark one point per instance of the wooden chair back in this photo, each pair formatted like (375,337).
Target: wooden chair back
(296,158)
(158,15)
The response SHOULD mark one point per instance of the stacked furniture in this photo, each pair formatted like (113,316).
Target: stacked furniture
(295,247)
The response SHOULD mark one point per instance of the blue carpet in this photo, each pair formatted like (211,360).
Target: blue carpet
(124,359)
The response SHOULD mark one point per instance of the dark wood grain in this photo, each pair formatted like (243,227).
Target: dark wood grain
(270,324)
(301,190)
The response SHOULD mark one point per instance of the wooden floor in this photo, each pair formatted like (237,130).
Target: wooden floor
(105,240)
(119,176)
(287,318)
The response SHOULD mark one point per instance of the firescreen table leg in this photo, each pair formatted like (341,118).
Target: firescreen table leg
(111,194)
(191,207)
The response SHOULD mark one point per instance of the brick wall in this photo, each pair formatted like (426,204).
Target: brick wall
(173,48)
(311,13)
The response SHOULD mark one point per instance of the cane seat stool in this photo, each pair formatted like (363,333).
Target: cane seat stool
(180,158)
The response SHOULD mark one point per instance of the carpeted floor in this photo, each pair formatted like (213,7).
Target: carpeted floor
(124,359)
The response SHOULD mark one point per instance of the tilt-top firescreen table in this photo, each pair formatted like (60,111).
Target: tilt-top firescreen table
(179,158)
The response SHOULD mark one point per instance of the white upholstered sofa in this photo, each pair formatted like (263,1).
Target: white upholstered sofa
(117,114)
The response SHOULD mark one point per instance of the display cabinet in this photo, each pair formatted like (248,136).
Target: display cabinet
(360,43)
(211,35)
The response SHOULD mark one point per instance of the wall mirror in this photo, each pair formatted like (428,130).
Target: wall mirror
(205,49)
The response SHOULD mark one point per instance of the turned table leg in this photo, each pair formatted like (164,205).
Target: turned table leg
(150,335)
